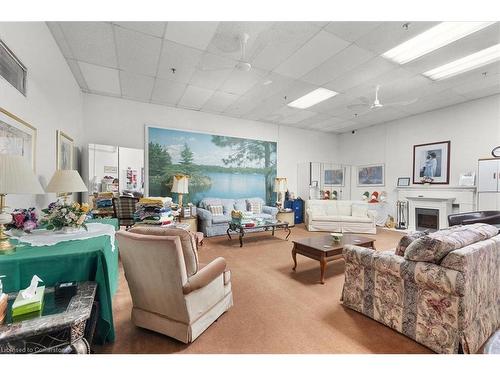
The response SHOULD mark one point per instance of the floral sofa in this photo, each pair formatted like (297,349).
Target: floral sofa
(216,225)
(441,289)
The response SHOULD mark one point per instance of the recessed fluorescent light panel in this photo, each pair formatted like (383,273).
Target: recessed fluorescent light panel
(476,60)
(432,39)
(314,97)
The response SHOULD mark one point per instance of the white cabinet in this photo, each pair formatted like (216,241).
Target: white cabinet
(488,176)
(488,185)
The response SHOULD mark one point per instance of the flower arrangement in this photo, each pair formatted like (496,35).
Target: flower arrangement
(60,215)
(24,220)
(426,180)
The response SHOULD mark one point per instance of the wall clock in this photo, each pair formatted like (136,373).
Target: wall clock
(496,152)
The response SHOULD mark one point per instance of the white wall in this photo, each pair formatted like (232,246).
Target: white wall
(121,122)
(53,101)
(472,127)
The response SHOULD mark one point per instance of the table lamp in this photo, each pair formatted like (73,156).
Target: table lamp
(16,177)
(180,186)
(66,181)
(280,186)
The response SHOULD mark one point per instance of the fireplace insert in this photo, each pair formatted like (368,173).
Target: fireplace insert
(426,219)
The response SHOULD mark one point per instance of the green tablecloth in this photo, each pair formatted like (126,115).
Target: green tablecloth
(78,260)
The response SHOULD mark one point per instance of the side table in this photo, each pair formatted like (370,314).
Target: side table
(192,221)
(286,216)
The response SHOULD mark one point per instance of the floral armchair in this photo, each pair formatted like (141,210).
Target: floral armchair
(450,305)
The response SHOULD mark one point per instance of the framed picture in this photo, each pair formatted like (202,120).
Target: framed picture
(431,163)
(64,152)
(17,137)
(334,177)
(371,175)
(404,181)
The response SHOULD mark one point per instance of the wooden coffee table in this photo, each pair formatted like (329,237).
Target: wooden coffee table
(325,249)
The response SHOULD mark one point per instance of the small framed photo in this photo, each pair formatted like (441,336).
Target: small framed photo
(404,181)
(371,175)
(186,211)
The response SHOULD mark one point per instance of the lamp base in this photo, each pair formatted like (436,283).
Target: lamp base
(6,247)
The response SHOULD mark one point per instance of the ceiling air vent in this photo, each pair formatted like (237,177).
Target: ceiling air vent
(12,69)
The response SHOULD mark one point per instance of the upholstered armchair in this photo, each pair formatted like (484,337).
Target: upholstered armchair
(172,293)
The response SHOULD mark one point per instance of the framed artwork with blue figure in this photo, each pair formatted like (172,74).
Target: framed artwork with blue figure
(431,163)
(218,166)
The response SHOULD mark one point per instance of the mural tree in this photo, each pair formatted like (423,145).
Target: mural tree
(253,151)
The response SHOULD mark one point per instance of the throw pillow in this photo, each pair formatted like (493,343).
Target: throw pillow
(216,210)
(405,241)
(255,207)
(428,249)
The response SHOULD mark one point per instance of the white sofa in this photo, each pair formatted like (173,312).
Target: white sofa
(340,216)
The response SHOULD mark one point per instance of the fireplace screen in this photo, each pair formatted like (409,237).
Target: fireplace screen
(427,219)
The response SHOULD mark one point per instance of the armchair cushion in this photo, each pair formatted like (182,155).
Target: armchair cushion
(204,214)
(219,219)
(405,241)
(216,210)
(188,243)
(254,205)
(205,275)
(273,211)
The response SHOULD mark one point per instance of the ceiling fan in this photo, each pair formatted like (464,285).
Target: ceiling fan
(376,104)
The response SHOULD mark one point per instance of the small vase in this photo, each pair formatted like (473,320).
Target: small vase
(69,230)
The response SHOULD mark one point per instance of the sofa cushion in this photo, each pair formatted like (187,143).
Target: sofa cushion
(254,206)
(216,210)
(205,202)
(240,204)
(344,208)
(359,210)
(228,205)
(262,215)
(340,218)
(434,247)
(405,241)
(330,208)
(219,219)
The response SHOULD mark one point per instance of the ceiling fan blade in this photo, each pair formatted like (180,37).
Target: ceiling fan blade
(394,104)
(364,100)
(215,69)
(358,107)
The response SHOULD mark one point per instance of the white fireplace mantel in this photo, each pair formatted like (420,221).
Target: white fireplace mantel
(443,205)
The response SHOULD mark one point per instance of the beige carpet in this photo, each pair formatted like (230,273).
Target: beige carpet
(275,310)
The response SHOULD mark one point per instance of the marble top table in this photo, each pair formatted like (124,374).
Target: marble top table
(61,327)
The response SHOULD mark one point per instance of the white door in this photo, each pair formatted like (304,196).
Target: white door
(488,176)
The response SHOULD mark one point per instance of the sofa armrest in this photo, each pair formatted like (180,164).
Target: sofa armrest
(205,275)
(433,276)
(204,215)
(270,210)
(372,214)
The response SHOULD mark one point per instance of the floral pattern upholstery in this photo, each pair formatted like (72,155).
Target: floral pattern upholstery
(449,307)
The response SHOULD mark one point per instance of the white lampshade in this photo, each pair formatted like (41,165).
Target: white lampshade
(66,181)
(17,176)
(280,184)
(180,184)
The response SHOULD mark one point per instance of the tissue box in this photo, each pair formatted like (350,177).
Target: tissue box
(3,307)
(23,305)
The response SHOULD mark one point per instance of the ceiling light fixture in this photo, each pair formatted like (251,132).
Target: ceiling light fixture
(314,97)
(476,60)
(432,39)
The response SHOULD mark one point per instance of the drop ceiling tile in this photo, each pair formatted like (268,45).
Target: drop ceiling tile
(153,28)
(137,52)
(57,33)
(239,82)
(280,42)
(192,34)
(313,120)
(195,97)
(328,123)
(167,92)
(77,73)
(470,77)
(345,127)
(333,104)
(136,86)
(183,59)
(266,107)
(338,65)
(91,42)
(212,71)
(227,38)
(312,54)
(100,79)
(381,115)
(361,74)
(269,85)
(349,30)
(391,34)
(434,101)
(219,101)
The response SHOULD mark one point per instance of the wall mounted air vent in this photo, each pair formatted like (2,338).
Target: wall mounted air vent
(12,69)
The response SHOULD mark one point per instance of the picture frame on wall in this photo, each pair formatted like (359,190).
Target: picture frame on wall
(334,177)
(64,151)
(431,163)
(404,181)
(17,137)
(371,175)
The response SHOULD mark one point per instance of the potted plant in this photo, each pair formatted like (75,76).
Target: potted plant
(65,217)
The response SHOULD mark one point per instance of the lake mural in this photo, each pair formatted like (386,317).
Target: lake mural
(218,166)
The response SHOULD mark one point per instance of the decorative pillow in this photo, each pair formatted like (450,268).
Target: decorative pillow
(216,210)
(359,210)
(428,249)
(255,207)
(405,241)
